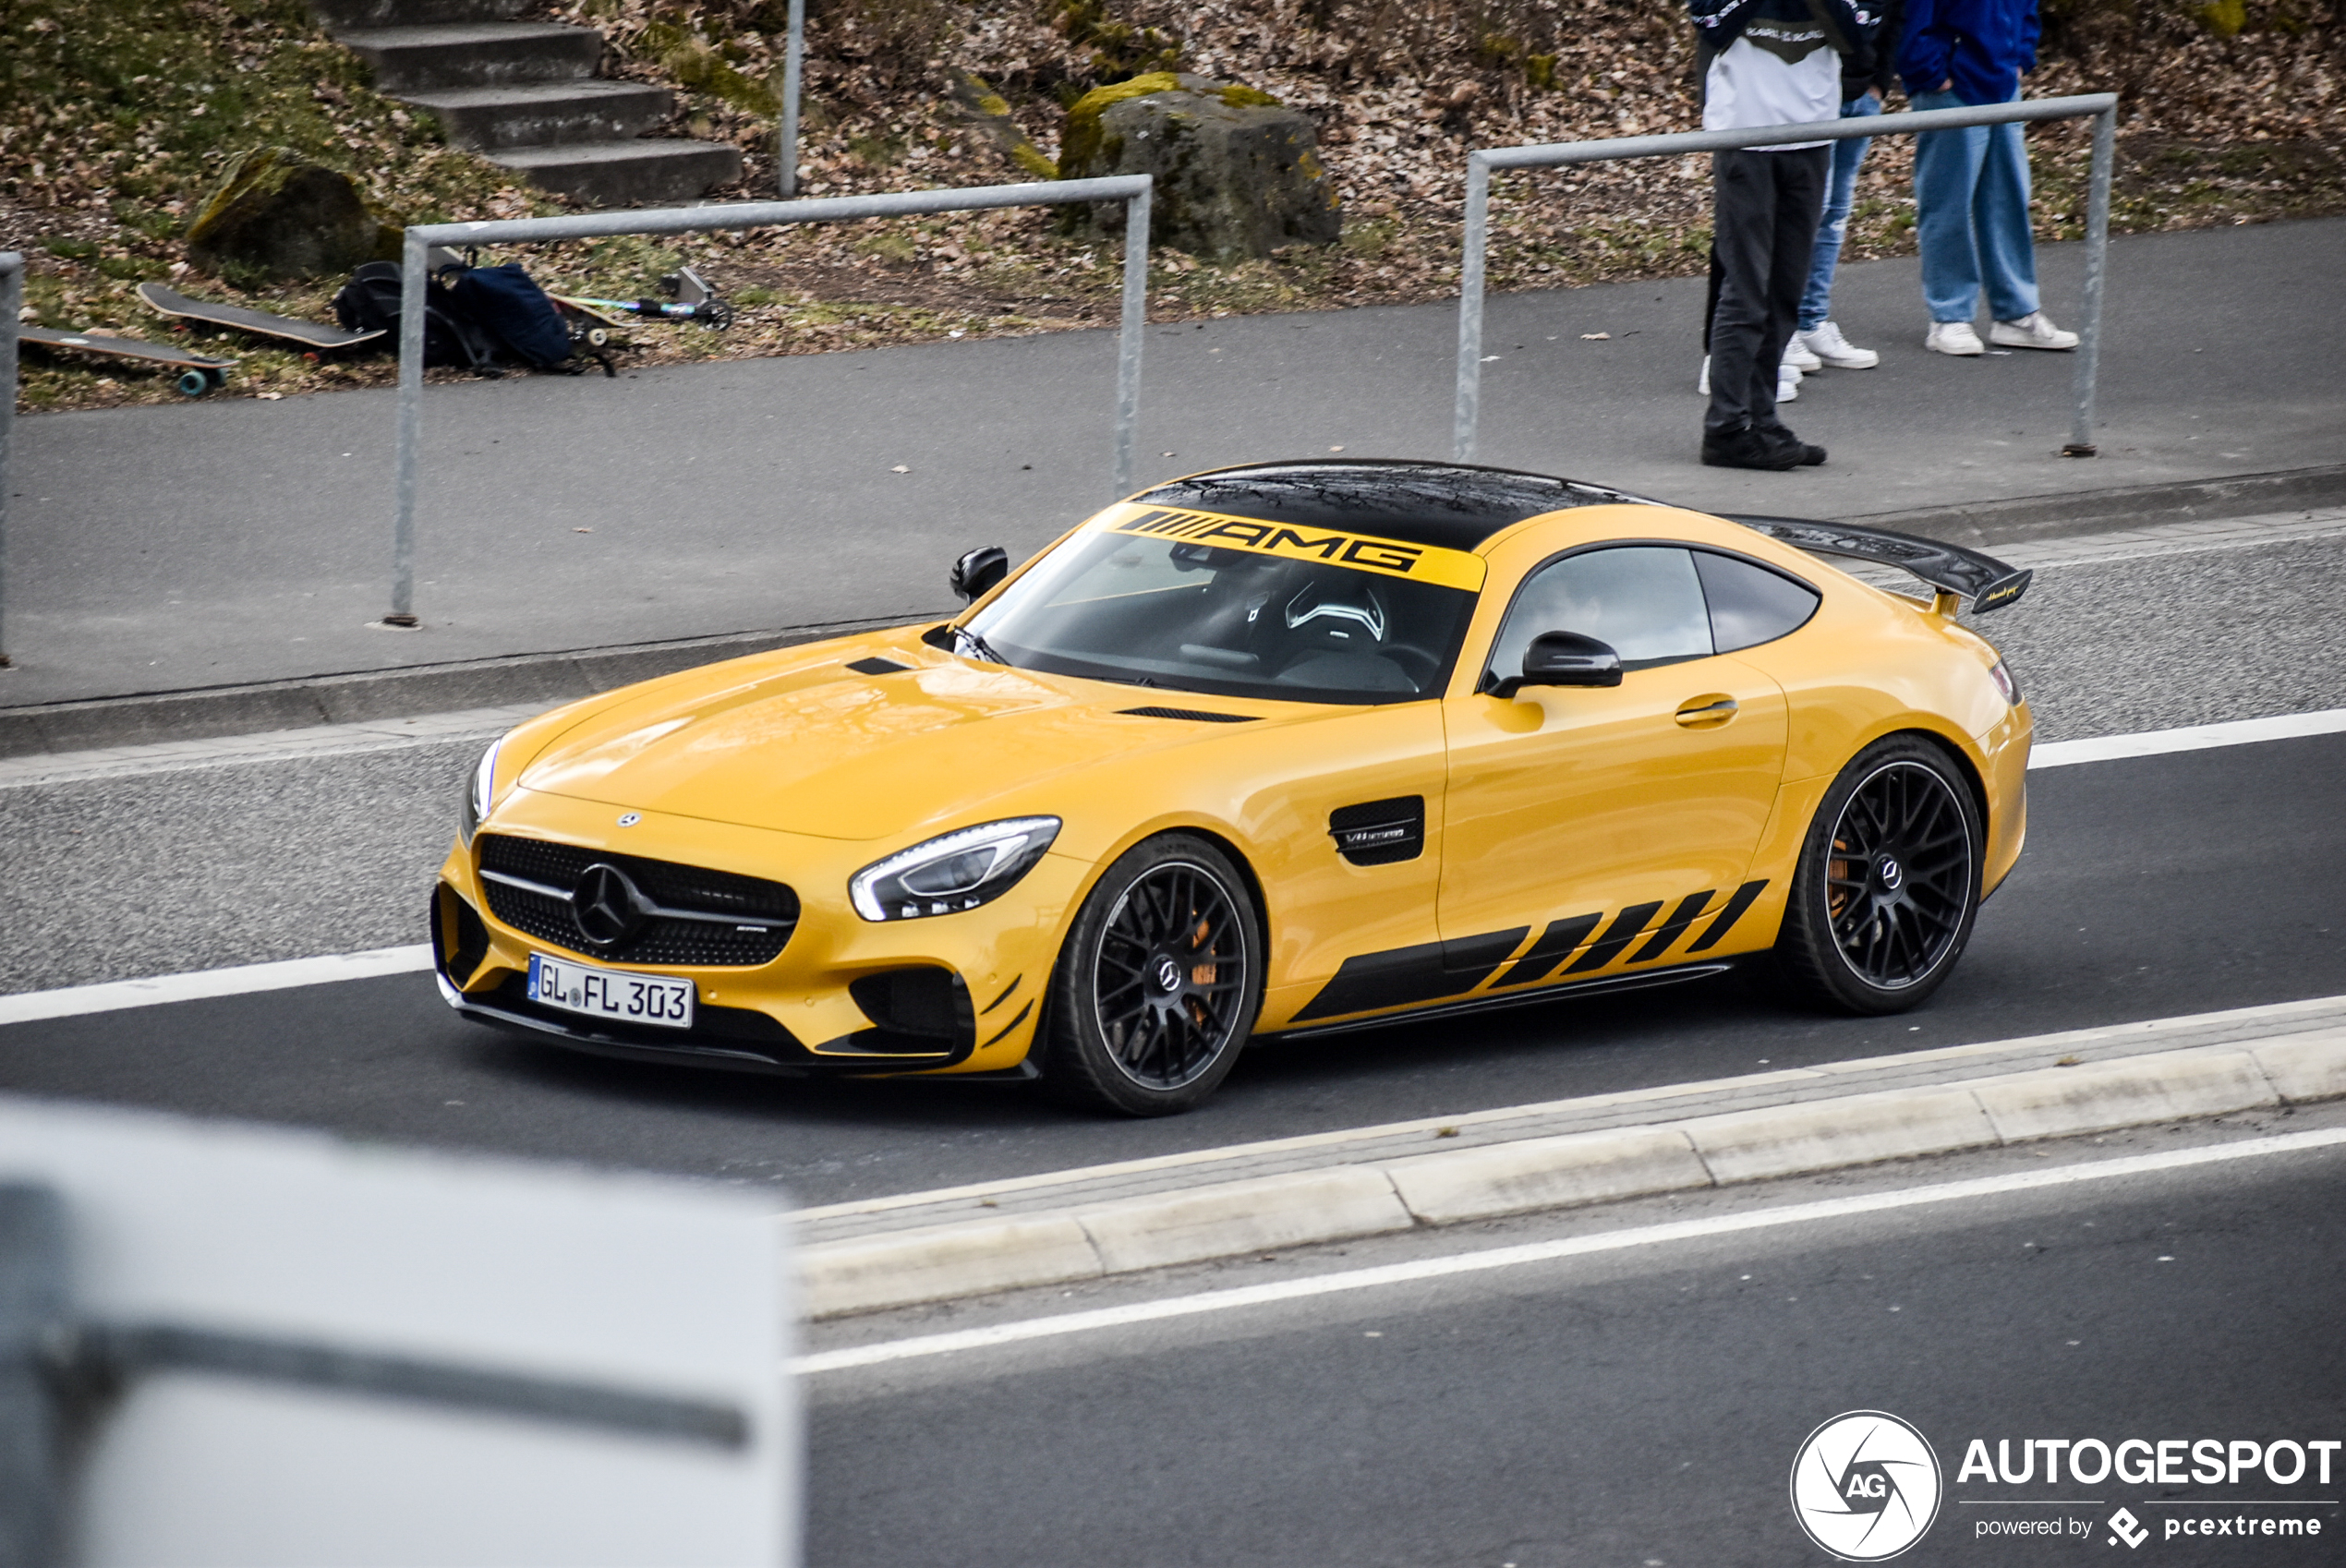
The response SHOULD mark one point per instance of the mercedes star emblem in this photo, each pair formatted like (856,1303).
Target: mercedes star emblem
(605,906)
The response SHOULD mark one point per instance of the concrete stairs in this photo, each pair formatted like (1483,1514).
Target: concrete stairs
(525,95)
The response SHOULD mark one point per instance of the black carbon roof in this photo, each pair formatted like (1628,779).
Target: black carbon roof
(1450,505)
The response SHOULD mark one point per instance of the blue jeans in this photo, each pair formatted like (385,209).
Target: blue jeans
(1841,190)
(1971,216)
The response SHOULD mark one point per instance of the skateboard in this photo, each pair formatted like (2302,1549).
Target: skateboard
(709,312)
(201,375)
(313,335)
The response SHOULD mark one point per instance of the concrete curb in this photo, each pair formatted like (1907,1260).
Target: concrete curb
(1232,1219)
(1988,524)
(364,696)
(372,695)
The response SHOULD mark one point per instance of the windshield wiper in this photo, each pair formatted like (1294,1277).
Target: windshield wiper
(971,646)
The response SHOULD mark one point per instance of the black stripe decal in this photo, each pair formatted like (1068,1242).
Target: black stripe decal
(1680,918)
(1471,959)
(1728,916)
(1399,976)
(1619,935)
(1014,1022)
(1555,944)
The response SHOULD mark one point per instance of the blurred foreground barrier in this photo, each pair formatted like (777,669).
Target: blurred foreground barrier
(2102,106)
(1131,190)
(228,1346)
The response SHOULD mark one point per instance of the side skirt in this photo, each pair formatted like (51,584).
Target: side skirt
(1636,982)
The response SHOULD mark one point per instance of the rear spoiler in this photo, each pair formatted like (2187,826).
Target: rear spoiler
(1988,583)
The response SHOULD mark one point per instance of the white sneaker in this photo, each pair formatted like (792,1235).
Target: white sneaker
(1796,355)
(1830,347)
(1953,337)
(2033,331)
(1787,381)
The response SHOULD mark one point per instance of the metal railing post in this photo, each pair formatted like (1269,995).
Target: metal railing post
(1469,404)
(786,134)
(411,421)
(1482,161)
(2081,433)
(1135,329)
(11,303)
(1134,190)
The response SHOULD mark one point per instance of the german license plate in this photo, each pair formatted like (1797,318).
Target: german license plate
(611,994)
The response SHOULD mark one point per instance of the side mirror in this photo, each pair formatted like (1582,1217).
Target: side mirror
(1564,658)
(976,572)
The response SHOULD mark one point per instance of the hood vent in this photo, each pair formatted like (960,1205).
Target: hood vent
(1199,715)
(877,665)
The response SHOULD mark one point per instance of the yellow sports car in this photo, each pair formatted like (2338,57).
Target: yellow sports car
(1286,748)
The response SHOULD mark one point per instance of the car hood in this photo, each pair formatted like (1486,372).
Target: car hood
(813,747)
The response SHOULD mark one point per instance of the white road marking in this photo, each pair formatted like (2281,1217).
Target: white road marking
(117,994)
(29,1006)
(1458,1263)
(2194,738)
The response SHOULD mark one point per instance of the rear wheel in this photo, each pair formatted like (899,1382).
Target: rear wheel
(1159,985)
(1888,883)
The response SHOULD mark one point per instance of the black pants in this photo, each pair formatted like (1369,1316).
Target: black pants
(1763,223)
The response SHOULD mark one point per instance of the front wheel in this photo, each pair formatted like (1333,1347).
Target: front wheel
(1888,883)
(1159,985)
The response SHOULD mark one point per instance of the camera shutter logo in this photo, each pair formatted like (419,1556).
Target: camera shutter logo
(1865,1486)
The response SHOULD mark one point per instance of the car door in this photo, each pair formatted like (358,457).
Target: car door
(1593,829)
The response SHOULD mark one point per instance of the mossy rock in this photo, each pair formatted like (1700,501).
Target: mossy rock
(276,215)
(1237,173)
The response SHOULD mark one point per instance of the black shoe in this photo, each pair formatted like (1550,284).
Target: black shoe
(1799,453)
(1748,448)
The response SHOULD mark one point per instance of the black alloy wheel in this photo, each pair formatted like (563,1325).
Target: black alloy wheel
(1888,884)
(1157,987)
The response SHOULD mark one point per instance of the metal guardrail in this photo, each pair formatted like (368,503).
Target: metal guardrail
(1133,190)
(2103,106)
(11,304)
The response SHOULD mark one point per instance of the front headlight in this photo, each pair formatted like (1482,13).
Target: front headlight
(477,794)
(957,871)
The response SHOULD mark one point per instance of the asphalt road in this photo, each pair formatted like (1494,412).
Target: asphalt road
(1640,1408)
(2152,887)
(158,548)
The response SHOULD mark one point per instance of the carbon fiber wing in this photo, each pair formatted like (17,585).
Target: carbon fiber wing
(1988,583)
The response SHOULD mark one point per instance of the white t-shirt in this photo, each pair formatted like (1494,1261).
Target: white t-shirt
(1775,74)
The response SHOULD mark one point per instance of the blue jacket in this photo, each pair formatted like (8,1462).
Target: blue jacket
(1982,44)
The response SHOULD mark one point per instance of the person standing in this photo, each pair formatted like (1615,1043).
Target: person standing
(1971,185)
(1765,63)
(1866,80)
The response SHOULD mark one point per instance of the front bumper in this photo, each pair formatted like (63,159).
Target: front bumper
(959,993)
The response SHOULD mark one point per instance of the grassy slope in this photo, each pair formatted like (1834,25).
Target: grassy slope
(115,115)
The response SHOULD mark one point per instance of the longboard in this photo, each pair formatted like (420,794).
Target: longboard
(310,335)
(201,376)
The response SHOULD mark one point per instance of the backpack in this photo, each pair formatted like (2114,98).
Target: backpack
(370,303)
(514,312)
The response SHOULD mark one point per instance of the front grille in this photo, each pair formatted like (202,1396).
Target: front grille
(723,895)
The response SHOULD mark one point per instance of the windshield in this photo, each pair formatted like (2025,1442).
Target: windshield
(1269,616)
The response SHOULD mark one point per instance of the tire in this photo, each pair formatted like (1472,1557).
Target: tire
(1887,886)
(1136,1023)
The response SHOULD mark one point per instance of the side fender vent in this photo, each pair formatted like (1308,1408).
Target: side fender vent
(1380,832)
